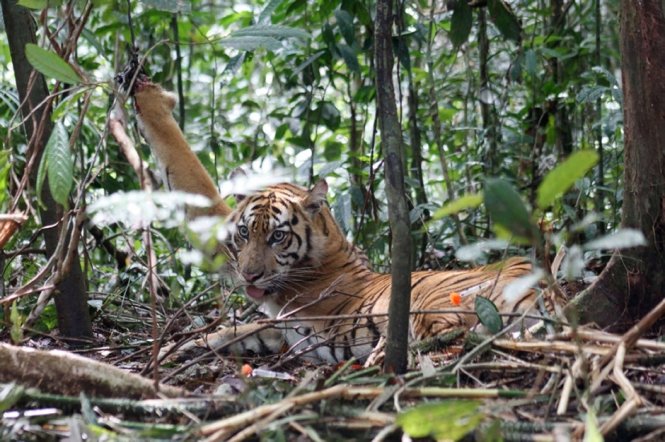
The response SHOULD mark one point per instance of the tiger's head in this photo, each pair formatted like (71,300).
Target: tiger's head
(279,236)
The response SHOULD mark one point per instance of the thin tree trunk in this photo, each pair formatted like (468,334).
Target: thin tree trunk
(436,126)
(564,137)
(633,280)
(416,171)
(71,297)
(391,140)
(600,175)
(415,145)
(489,123)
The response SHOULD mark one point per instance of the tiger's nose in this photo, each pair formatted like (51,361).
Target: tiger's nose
(251,277)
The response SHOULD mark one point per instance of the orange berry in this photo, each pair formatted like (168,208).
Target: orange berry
(246,370)
(455,298)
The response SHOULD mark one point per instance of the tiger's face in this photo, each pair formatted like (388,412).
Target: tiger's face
(275,244)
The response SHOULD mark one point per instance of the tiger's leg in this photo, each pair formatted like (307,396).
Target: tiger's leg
(182,169)
(241,340)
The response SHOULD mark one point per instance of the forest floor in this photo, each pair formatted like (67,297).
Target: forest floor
(562,385)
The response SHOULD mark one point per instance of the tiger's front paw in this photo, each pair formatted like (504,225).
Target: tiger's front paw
(241,340)
(180,353)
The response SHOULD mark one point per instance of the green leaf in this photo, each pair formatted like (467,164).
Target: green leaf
(350,57)
(15,317)
(505,20)
(50,64)
(488,314)
(591,431)
(274,31)
(562,177)
(169,5)
(268,10)
(345,23)
(231,68)
(460,25)
(329,115)
(9,395)
(589,94)
(530,62)
(333,150)
(468,201)
(33,4)
(251,43)
(302,66)
(60,168)
(506,208)
(446,420)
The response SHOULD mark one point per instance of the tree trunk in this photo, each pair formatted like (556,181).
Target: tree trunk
(391,141)
(564,136)
(634,279)
(71,297)
(486,105)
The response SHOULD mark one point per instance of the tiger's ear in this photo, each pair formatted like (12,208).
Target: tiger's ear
(316,197)
(238,174)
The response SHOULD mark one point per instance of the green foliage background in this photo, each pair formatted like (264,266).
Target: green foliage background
(300,103)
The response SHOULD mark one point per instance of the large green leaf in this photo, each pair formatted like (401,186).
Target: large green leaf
(50,64)
(506,208)
(345,23)
(60,168)
(488,314)
(562,177)
(468,201)
(505,19)
(274,31)
(169,5)
(251,43)
(460,25)
(444,421)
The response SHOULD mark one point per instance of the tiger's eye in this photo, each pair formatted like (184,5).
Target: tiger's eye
(277,236)
(243,231)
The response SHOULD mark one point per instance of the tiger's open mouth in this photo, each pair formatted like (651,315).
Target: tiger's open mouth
(257,293)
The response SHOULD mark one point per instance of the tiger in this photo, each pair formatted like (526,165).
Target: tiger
(293,259)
